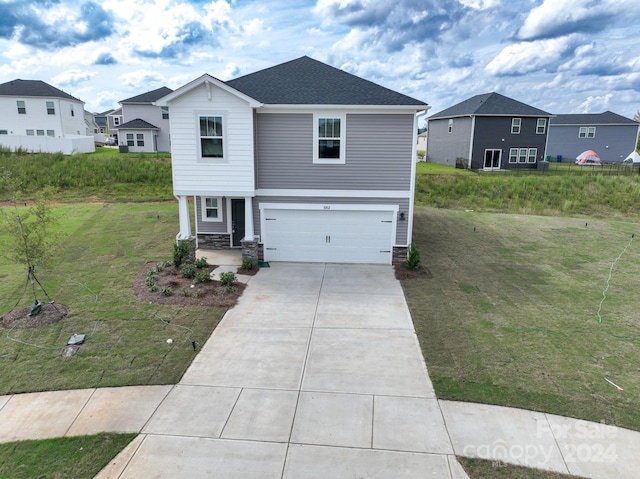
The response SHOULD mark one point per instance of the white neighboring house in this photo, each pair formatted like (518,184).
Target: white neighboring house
(39,117)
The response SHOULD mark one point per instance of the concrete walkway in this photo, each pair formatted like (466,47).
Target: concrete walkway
(316,373)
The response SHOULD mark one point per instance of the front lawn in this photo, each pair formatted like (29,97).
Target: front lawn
(510,315)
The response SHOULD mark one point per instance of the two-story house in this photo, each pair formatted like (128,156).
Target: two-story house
(39,117)
(297,162)
(490,132)
(610,135)
(143,126)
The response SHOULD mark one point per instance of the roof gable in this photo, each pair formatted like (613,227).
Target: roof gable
(33,88)
(148,97)
(490,104)
(137,124)
(605,118)
(306,81)
(208,81)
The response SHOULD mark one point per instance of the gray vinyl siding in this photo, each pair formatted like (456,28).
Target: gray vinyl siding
(612,142)
(403,205)
(151,114)
(210,226)
(443,147)
(490,131)
(378,153)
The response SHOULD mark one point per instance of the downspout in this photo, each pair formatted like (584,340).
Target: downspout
(473,131)
(546,140)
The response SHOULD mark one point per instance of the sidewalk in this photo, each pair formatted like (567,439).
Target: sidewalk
(315,373)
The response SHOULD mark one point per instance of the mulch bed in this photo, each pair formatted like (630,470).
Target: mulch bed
(19,318)
(211,293)
(402,272)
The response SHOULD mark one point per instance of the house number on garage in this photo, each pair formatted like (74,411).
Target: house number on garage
(327,207)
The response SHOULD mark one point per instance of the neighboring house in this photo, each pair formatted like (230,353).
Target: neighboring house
(297,162)
(610,135)
(114,120)
(489,132)
(93,129)
(422,142)
(39,117)
(144,126)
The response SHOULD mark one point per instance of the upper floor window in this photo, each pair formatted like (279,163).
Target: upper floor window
(211,137)
(22,109)
(4,132)
(73,113)
(140,139)
(117,120)
(211,209)
(587,132)
(51,110)
(515,125)
(329,143)
(450,125)
(541,126)
(165,112)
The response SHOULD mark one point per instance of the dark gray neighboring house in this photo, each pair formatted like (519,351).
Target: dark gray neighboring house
(610,135)
(488,131)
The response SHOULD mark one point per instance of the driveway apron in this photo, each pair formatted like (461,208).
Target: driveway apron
(316,372)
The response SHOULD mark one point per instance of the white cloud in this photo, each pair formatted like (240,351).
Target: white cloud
(73,77)
(595,104)
(143,80)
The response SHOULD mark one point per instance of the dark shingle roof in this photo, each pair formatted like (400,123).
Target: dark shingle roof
(490,104)
(306,81)
(149,97)
(606,118)
(33,88)
(137,124)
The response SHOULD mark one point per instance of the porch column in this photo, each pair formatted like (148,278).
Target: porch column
(185,221)
(248,218)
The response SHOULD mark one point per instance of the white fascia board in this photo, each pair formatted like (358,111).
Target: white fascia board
(388,109)
(334,193)
(203,80)
(322,206)
(217,193)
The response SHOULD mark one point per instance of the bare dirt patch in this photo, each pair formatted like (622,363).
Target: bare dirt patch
(19,318)
(403,272)
(183,291)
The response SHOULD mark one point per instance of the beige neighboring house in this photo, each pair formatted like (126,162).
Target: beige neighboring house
(39,117)
(422,144)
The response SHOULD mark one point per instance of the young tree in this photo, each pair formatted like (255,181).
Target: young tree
(31,234)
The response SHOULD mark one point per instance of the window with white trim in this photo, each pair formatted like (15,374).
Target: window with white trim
(211,209)
(40,132)
(117,120)
(532,156)
(515,125)
(130,141)
(30,133)
(587,132)
(329,139)
(523,155)
(51,133)
(73,113)
(211,137)
(22,109)
(450,125)
(51,109)
(541,126)
(4,132)
(140,139)
(165,112)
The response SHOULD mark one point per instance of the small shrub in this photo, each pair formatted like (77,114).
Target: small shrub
(158,268)
(227,278)
(166,264)
(181,251)
(413,259)
(200,293)
(201,263)
(153,288)
(249,264)
(230,289)
(188,271)
(166,291)
(151,280)
(202,276)
(185,292)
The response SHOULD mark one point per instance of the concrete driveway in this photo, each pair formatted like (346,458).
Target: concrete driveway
(316,372)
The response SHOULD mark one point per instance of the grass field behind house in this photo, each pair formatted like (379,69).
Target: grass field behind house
(93,273)
(510,315)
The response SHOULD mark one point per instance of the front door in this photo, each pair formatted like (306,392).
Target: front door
(237,221)
(492,159)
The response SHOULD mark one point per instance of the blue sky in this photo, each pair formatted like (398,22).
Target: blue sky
(563,56)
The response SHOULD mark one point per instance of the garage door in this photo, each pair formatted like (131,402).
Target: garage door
(331,236)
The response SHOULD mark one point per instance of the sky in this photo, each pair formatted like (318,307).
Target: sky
(562,56)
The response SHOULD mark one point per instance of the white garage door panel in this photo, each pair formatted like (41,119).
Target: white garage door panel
(328,235)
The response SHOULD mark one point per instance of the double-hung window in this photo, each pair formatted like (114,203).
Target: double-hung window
(587,132)
(531,157)
(541,126)
(211,209)
(73,113)
(3,132)
(329,139)
(51,109)
(22,109)
(165,112)
(523,155)
(211,137)
(140,139)
(51,133)
(450,125)
(130,141)
(515,125)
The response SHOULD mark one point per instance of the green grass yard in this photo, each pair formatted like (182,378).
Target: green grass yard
(510,315)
